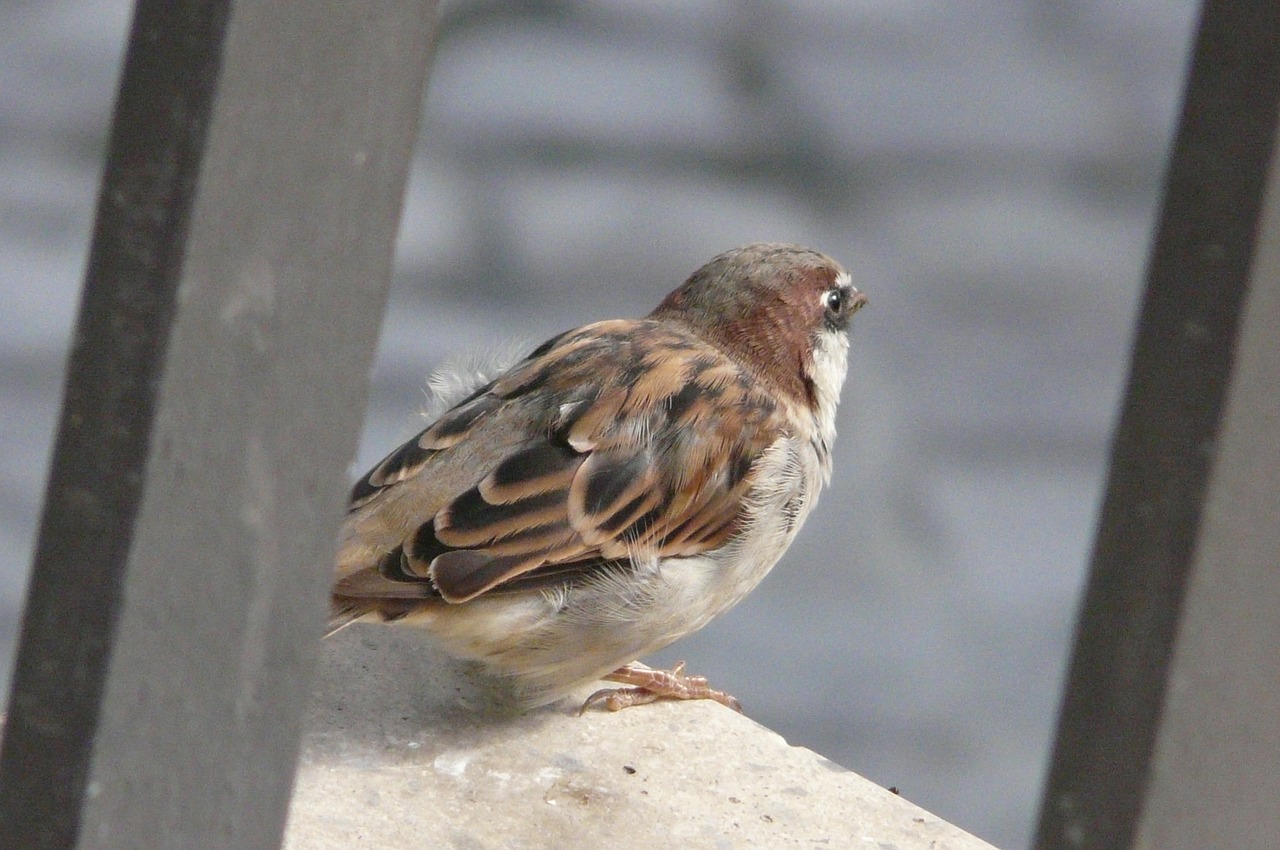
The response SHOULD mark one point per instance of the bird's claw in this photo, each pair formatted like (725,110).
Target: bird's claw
(648,685)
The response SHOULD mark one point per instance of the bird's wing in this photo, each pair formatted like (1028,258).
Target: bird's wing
(620,439)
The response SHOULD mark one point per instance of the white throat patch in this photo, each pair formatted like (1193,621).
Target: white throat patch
(830,364)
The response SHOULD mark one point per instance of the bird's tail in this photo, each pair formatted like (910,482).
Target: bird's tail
(344,612)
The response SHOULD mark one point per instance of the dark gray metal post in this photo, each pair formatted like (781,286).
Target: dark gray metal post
(1215,775)
(1184,467)
(215,389)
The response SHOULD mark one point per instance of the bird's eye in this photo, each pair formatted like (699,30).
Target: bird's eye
(835,301)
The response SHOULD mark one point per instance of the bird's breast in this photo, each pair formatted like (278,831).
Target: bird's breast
(694,590)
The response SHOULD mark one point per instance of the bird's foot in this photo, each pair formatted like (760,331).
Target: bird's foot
(649,685)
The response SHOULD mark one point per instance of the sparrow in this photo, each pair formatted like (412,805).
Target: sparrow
(615,490)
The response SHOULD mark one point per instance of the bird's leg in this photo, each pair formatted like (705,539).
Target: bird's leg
(649,685)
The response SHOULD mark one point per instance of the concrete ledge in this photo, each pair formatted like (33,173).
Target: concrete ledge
(407,749)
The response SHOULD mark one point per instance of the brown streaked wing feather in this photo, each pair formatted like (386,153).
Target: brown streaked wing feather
(466,573)
(409,459)
(656,461)
(541,467)
(387,579)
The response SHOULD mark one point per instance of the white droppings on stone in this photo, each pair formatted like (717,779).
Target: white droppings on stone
(452,764)
(547,775)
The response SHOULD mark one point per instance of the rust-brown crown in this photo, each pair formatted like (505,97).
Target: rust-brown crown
(763,304)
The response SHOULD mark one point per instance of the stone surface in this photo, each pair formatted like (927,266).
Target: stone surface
(405,748)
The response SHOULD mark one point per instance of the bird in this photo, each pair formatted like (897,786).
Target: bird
(616,489)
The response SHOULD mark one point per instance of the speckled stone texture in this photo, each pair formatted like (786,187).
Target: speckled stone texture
(405,748)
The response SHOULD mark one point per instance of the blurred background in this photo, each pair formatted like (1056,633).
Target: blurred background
(989,170)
